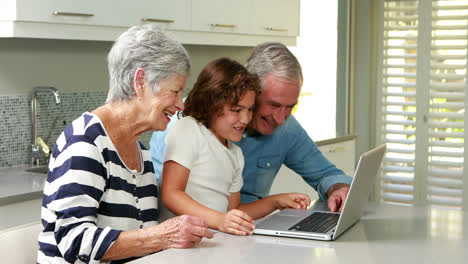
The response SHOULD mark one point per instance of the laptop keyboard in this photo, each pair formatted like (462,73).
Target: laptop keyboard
(317,222)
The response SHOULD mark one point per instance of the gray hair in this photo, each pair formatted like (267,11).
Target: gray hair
(276,59)
(146,47)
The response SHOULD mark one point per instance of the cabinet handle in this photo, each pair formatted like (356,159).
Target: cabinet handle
(58,13)
(147,19)
(276,29)
(337,149)
(223,25)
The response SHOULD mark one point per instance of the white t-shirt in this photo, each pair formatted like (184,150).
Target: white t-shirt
(215,170)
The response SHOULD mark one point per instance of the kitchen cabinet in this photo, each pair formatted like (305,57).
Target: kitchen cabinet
(174,14)
(275,17)
(203,22)
(221,16)
(170,15)
(54,11)
(340,151)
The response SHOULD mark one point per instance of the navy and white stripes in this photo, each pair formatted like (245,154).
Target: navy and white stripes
(90,195)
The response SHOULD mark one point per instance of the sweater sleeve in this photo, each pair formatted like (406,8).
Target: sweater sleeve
(74,187)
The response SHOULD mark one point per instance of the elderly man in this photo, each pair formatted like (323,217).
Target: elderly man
(274,136)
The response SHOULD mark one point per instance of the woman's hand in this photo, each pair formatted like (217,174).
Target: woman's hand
(291,200)
(180,232)
(236,222)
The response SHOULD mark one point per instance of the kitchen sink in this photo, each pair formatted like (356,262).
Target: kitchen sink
(42,170)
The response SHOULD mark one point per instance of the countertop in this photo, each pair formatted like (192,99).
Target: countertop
(385,234)
(16,184)
(335,140)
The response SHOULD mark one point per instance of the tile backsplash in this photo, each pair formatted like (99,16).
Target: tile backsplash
(51,119)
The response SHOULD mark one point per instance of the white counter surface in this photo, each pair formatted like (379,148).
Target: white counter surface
(385,234)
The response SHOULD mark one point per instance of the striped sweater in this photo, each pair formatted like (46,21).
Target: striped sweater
(90,196)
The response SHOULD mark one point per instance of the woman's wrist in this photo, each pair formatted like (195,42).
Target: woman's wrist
(150,240)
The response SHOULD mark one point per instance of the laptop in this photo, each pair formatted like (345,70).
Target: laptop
(318,222)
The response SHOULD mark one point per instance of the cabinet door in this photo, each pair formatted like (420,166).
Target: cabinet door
(221,15)
(341,154)
(174,14)
(57,11)
(275,17)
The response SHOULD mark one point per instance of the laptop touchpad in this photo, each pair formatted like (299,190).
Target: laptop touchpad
(280,222)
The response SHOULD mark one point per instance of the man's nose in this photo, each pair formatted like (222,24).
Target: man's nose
(280,115)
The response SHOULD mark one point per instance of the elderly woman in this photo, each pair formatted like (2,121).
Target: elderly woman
(100,197)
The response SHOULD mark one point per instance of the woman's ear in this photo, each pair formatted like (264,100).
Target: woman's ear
(139,81)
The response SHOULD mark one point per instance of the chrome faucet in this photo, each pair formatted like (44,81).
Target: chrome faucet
(39,148)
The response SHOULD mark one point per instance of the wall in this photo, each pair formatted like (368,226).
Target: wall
(79,70)
(363,86)
(363,74)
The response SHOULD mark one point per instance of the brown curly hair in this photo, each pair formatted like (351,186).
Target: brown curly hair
(222,81)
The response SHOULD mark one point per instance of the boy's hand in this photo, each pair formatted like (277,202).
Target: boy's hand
(291,200)
(236,222)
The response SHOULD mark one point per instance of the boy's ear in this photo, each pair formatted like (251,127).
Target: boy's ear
(139,81)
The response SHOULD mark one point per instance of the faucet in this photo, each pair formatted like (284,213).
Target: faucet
(39,148)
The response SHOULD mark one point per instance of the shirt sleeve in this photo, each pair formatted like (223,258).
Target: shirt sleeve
(72,195)
(304,157)
(237,179)
(181,142)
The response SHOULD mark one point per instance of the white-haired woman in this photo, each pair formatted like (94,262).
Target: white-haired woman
(100,197)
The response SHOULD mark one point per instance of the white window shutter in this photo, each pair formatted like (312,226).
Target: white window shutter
(397,98)
(445,118)
(422,93)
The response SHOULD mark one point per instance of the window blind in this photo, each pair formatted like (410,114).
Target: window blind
(421,101)
(445,119)
(398,100)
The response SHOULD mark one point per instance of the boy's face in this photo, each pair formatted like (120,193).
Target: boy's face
(275,103)
(234,119)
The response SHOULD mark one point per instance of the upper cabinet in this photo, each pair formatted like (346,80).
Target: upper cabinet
(207,22)
(55,11)
(224,16)
(170,15)
(275,17)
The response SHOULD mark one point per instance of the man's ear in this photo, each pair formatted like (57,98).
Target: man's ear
(139,81)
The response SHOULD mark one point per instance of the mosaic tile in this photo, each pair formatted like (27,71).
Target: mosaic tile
(51,119)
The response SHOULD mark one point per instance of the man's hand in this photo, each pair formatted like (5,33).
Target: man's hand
(337,196)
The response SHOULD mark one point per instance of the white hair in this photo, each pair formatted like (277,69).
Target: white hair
(146,47)
(274,58)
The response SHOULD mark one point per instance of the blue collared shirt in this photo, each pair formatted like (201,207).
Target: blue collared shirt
(264,154)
